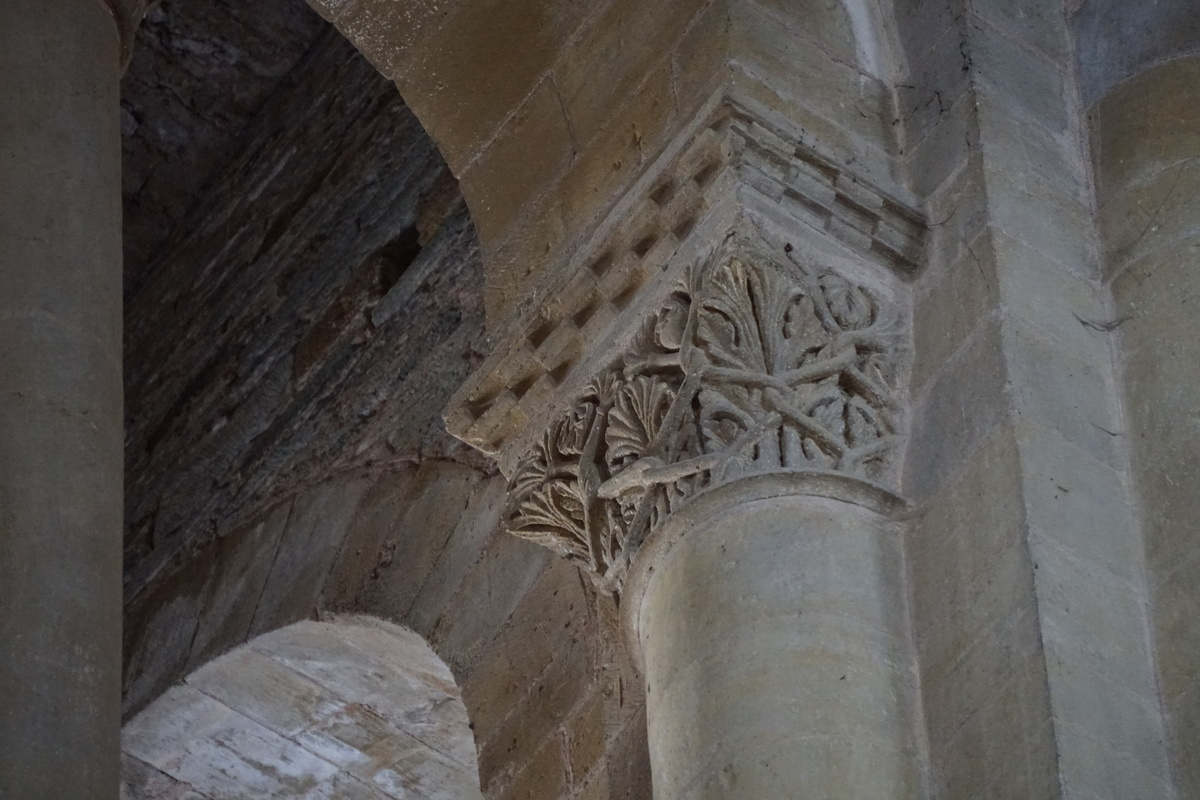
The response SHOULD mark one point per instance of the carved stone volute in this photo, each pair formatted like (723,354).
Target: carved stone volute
(756,362)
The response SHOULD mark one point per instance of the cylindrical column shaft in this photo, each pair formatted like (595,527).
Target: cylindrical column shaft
(60,400)
(774,639)
(1146,134)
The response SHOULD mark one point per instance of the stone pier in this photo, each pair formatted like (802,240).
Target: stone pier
(771,623)
(61,409)
(1146,132)
(723,381)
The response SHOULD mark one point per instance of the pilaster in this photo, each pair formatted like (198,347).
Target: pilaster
(1019,455)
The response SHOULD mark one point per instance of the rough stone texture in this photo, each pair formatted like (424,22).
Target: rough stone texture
(491,98)
(1118,40)
(1019,363)
(316,527)
(1046,557)
(777,653)
(524,635)
(538,654)
(351,709)
(1148,150)
(199,74)
(323,288)
(660,233)
(757,300)
(314,367)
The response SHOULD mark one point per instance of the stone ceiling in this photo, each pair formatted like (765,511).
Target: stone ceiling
(303,287)
(199,74)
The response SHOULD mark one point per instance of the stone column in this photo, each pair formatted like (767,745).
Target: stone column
(731,353)
(723,477)
(1146,136)
(60,398)
(770,619)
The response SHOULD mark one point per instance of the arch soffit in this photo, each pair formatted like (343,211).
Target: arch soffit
(1117,40)
(354,706)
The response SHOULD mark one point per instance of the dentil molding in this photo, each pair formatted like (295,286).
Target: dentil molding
(690,347)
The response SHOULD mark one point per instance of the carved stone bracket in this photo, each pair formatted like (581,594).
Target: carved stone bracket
(757,362)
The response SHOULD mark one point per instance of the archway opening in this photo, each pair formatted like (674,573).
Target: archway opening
(351,708)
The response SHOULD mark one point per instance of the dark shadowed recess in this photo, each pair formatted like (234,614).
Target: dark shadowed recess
(200,72)
(303,284)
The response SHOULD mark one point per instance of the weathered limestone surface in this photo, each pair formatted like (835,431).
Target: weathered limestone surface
(774,635)
(352,511)
(556,706)
(1146,137)
(60,408)
(1041,588)
(1118,40)
(353,708)
(714,457)
(552,699)
(1019,445)
(661,242)
(1018,455)
(545,127)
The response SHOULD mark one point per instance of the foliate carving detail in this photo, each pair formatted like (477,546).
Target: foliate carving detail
(736,154)
(754,364)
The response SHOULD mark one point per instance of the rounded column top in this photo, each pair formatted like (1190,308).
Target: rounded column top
(819,485)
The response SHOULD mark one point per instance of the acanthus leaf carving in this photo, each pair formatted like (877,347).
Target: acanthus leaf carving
(754,364)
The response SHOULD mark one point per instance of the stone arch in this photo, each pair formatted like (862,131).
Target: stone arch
(352,707)
(1117,40)
(545,128)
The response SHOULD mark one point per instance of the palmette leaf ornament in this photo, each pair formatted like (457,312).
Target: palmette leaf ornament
(636,419)
(755,364)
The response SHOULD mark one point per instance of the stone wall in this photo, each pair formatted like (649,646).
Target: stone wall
(286,460)
(555,706)
(546,127)
(198,75)
(353,708)
(1116,40)
(1018,458)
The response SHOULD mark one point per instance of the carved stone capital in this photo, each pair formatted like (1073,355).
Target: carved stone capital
(757,362)
(741,312)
